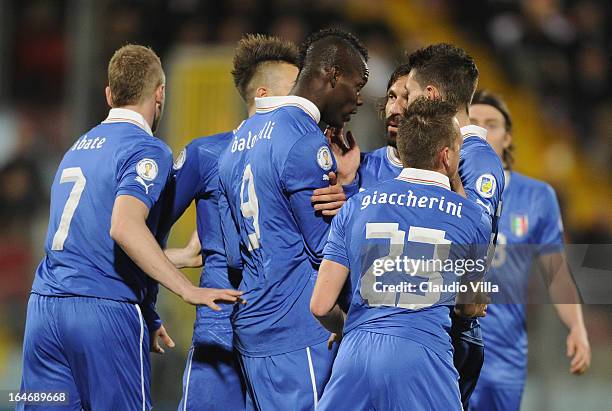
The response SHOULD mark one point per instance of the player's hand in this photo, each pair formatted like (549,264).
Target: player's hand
(471,310)
(579,350)
(346,152)
(333,338)
(208,296)
(161,334)
(330,199)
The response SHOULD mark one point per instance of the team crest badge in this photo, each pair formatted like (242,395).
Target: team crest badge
(519,224)
(147,169)
(180,160)
(485,185)
(324,158)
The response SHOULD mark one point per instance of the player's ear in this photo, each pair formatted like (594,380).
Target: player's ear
(432,92)
(261,92)
(160,94)
(109,96)
(334,75)
(507,139)
(444,157)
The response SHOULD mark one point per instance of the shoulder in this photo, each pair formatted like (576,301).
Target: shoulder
(538,188)
(374,156)
(295,121)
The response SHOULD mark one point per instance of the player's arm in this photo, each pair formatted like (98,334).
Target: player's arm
(130,231)
(323,303)
(189,256)
(332,276)
(561,286)
(303,172)
(473,302)
(329,200)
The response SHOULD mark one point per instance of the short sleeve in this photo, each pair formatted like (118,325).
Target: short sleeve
(307,164)
(549,232)
(336,246)
(187,180)
(305,169)
(482,175)
(144,171)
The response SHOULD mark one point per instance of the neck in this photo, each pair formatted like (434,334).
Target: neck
(251,109)
(463,118)
(148,114)
(310,90)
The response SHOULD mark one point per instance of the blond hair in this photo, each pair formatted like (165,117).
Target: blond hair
(134,72)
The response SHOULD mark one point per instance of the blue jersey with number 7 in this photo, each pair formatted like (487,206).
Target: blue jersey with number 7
(407,242)
(267,176)
(117,157)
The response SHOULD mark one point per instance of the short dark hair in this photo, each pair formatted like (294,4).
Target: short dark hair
(400,71)
(254,49)
(426,128)
(496,101)
(449,68)
(327,48)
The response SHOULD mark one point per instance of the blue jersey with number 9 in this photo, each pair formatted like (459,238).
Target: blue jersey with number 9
(408,243)
(267,176)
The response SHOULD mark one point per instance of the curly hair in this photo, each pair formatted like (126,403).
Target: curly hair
(330,47)
(450,69)
(255,49)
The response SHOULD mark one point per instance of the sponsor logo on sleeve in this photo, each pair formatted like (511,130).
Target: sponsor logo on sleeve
(180,160)
(147,169)
(485,185)
(324,158)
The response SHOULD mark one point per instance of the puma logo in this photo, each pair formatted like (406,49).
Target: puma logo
(145,185)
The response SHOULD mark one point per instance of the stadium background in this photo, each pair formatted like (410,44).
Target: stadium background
(549,58)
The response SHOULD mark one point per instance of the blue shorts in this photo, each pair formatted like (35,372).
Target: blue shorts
(488,398)
(291,381)
(383,372)
(212,379)
(95,350)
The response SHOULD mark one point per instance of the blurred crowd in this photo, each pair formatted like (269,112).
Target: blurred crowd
(559,49)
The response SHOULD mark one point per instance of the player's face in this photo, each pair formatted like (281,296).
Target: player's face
(397,101)
(413,88)
(492,119)
(454,152)
(346,97)
(159,107)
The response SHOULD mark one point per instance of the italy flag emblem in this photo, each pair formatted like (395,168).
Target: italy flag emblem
(519,224)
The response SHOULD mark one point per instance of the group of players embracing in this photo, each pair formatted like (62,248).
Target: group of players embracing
(287,249)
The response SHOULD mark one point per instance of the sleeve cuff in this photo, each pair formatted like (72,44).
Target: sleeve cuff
(139,195)
(352,188)
(337,259)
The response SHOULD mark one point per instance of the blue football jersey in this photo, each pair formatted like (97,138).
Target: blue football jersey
(267,176)
(415,217)
(196,178)
(118,157)
(378,165)
(530,226)
(481,172)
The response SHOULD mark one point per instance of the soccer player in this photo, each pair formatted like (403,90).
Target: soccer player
(277,158)
(263,66)
(445,72)
(530,229)
(396,352)
(91,311)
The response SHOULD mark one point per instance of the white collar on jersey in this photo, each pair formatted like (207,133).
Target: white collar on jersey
(428,177)
(393,158)
(474,131)
(267,104)
(124,115)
